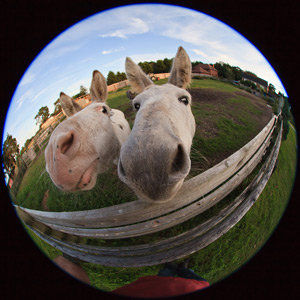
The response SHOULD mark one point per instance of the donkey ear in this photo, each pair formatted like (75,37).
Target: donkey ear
(69,106)
(98,87)
(181,71)
(136,77)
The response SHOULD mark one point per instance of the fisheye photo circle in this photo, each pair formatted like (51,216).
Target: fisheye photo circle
(150,151)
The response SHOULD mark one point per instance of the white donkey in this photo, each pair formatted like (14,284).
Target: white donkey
(154,160)
(88,142)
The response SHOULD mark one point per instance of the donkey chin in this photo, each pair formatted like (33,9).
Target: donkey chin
(160,196)
(155,189)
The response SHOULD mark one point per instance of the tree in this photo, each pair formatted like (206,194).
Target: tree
(57,107)
(83,90)
(114,78)
(221,70)
(237,72)
(249,83)
(146,67)
(159,67)
(272,88)
(251,73)
(195,63)
(168,64)
(111,78)
(10,152)
(42,116)
(120,76)
(228,71)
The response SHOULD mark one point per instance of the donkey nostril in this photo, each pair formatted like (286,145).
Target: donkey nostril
(67,143)
(179,160)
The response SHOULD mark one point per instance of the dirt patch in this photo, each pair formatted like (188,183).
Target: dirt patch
(260,104)
(208,95)
(210,104)
(44,202)
(218,105)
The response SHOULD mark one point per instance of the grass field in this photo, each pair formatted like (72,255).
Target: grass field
(234,126)
(232,250)
(228,130)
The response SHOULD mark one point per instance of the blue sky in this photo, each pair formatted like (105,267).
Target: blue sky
(102,42)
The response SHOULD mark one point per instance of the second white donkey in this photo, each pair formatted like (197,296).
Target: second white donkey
(88,142)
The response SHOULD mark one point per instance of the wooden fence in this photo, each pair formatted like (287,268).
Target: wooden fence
(139,218)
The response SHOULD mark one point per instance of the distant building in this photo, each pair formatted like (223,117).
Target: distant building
(256,80)
(84,100)
(205,70)
(51,121)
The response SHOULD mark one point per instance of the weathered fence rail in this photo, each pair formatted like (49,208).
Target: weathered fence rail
(138,218)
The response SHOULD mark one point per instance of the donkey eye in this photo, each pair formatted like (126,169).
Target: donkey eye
(184,100)
(136,106)
(104,110)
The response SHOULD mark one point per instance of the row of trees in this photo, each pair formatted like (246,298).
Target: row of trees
(160,66)
(229,72)
(114,78)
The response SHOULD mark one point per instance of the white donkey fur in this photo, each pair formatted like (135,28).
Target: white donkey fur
(154,160)
(88,142)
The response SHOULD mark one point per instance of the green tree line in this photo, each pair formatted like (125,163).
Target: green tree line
(229,72)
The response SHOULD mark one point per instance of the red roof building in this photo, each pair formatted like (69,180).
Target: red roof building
(205,70)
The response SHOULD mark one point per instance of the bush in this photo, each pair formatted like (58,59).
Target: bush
(286,129)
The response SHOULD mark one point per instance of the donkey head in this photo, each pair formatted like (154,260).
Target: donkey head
(85,144)
(154,160)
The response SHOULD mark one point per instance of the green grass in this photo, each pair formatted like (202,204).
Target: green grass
(109,190)
(232,250)
(229,131)
(34,184)
(236,247)
(220,258)
(234,124)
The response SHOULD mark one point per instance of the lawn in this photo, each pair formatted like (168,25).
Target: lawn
(234,122)
(222,128)
(232,250)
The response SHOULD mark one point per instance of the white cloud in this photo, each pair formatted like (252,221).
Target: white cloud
(36,97)
(112,50)
(202,54)
(86,60)
(57,50)
(26,96)
(28,78)
(134,26)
